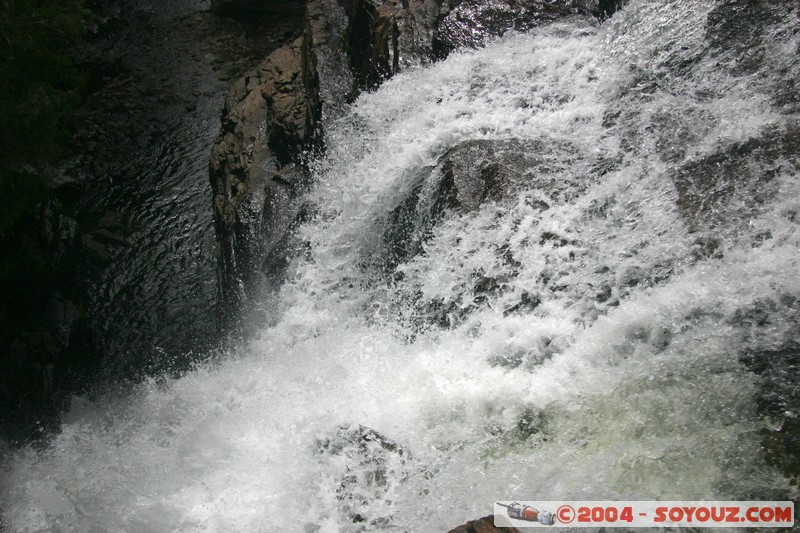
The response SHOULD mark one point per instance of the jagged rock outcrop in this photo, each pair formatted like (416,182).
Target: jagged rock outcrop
(271,119)
(389,35)
(469,175)
(274,117)
(385,36)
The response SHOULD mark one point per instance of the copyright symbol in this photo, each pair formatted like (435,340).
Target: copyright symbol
(565,514)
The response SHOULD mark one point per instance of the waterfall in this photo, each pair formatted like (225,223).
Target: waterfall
(590,328)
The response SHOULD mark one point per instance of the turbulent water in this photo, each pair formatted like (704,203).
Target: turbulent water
(583,336)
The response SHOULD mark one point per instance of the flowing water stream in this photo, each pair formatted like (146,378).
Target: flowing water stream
(604,358)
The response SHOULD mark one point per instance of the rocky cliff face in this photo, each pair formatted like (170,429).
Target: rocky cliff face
(271,120)
(116,262)
(274,118)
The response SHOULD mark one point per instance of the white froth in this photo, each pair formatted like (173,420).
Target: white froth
(638,396)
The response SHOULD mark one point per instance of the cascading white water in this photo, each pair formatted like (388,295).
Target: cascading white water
(356,403)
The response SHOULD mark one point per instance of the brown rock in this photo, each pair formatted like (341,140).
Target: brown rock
(483,525)
(270,118)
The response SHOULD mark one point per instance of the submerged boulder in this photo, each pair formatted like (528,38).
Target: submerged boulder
(736,182)
(370,465)
(476,171)
(774,358)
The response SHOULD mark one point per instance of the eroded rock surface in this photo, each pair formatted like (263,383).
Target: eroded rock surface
(270,122)
(274,117)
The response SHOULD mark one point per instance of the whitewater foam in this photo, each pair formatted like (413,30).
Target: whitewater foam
(623,380)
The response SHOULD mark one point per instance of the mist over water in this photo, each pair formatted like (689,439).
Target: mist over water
(580,337)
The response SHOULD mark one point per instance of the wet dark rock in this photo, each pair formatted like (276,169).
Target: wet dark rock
(507,256)
(251,9)
(440,313)
(554,239)
(108,237)
(63,314)
(770,333)
(735,29)
(631,277)
(132,145)
(373,36)
(485,525)
(284,245)
(473,22)
(97,251)
(710,189)
(271,122)
(527,302)
(465,177)
(781,448)
(779,399)
(761,237)
(270,119)
(734,182)
(42,367)
(478,171)
(41,314)
(407,226)
(485,284)
(385,36)
(287,176)
(144,69)
(605,8)
(604,293)
(706,247)
(371,464)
